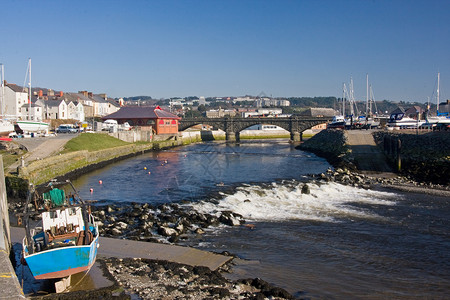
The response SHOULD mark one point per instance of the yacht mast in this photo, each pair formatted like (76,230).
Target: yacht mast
(2,99)
(437,108)
(367,96)
(29,89)
(344,88)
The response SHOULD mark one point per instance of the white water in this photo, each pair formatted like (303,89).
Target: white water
(327,202)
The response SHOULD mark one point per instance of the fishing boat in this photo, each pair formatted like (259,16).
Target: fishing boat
(65,242)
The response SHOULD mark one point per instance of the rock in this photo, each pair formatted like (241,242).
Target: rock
(122,225)
(116,231)
(305,189)
(179,227)
(167,231)
(229,218)
(199,231)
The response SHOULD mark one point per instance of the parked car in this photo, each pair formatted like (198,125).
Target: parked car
(66,128)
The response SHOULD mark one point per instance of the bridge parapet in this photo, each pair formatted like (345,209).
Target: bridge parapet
(232,126)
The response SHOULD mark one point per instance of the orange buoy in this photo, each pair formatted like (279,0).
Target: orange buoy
(91,190)
(100,182)
(251,226)
(145,168)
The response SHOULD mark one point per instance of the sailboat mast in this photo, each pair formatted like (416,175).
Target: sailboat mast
(367,96)
(29,89)
(437,107)
(343,99)
(2,99)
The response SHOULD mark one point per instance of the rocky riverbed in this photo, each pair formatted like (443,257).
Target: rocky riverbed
(172,223)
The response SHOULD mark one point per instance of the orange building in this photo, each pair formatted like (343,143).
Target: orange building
(161,121)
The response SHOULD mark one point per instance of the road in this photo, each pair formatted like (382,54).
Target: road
(42,147)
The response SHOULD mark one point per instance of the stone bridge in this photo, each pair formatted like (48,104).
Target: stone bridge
(233,126)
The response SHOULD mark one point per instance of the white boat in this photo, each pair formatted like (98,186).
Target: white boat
(367,120)
(6,127)
(341,121)
(441,119)
(398,120)
(338,122)
(32,126)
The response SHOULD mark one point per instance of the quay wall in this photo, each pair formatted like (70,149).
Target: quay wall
(75,163)
(9,284)
(424,157)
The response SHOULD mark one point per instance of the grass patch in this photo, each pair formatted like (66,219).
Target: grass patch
(92,142)
(8,158)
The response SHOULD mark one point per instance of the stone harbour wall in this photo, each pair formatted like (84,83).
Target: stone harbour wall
(423,157)
(42,171)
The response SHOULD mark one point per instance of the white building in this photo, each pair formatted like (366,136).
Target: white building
(56,109)
(75,111)
(15,96)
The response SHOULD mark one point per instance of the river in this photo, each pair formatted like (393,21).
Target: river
(338,242)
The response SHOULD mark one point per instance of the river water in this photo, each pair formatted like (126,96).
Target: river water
(338,242)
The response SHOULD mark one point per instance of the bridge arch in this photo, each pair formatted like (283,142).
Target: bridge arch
(233,126)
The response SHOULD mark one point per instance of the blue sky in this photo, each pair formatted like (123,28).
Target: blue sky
(230,48)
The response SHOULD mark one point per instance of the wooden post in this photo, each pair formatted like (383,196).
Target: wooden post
(399,158)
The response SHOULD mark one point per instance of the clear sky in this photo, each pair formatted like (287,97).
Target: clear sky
(229,48)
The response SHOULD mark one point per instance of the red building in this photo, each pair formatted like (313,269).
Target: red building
(161,121)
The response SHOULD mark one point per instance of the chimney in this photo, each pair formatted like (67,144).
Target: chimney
(85,93)
(61,93)
(41,94)
(89,94)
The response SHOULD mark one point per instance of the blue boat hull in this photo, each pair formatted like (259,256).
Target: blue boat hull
(62,262)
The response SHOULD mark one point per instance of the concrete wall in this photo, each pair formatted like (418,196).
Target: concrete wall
(42,171)
(5,237)
(9,284)
(133,136)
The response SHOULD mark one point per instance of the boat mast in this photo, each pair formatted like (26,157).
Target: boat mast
(367,96)
(437,107)
(2,99)
(344,88)
(29,89)
(352,99)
